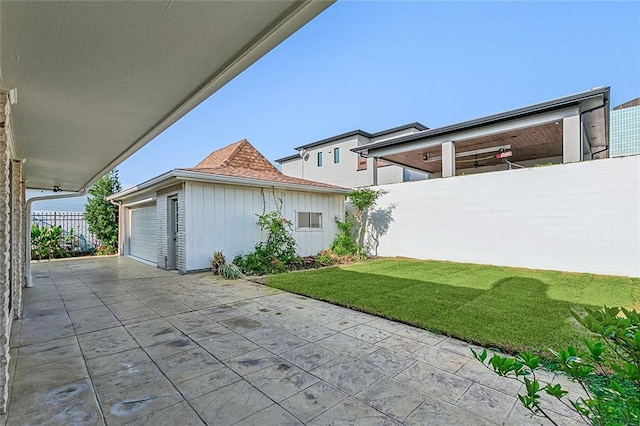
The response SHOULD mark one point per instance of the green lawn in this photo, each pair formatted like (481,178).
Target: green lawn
(508,308)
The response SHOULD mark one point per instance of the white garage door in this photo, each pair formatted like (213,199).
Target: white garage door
(143,239)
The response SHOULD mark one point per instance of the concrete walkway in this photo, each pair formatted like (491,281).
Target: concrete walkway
(110,340)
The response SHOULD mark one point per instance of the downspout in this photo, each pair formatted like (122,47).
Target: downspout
(30,201)
(118,204)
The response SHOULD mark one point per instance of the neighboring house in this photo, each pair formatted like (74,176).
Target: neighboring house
(331,160)
(577,215)
(178,219)
(624,138)
(564,130)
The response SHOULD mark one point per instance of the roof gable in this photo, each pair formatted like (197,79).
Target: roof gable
(241,160)
(240,155)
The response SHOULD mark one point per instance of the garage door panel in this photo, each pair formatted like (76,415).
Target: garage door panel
(143,238)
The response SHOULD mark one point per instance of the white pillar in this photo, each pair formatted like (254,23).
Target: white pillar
(448,159)
(374,169)
(571,141)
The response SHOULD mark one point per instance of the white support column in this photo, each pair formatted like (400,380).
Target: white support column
(25,224)
(571,140)
(375,171)
(448,159)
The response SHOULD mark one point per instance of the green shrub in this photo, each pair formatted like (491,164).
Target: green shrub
(217,262)
(229,271)
(607,369)
(105,250)
(47,242)
(275,255)
(344,243)
(324,258)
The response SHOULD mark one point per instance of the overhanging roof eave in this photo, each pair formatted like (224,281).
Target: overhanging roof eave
(187,175)
(290,22)
(553,105)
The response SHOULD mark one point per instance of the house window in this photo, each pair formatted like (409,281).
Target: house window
(336,155)
(309,220)
(362,163)
(319,159)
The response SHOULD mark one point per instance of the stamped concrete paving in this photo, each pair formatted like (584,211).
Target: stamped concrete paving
(110,340)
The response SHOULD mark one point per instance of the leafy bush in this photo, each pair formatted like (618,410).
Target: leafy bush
(608,371)
(275,255)
(101,215)
(217,262)
(229,271)
(47,242)
(344,243)
(324,258)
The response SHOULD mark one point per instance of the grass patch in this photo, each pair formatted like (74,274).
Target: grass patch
(508,308)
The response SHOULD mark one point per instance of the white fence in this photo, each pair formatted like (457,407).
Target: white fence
(580,217)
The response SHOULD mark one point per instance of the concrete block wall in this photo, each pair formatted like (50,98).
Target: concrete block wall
(162,211)
(579,217)
(181,244)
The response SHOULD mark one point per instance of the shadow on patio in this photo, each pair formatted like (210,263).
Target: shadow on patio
(110,340)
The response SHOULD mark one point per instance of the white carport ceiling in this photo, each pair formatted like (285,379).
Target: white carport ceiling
(97,80)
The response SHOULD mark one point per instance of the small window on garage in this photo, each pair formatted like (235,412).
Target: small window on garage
(309,220)
(336,155)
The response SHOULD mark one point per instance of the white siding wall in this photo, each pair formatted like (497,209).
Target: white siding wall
(224,218)
(580,217)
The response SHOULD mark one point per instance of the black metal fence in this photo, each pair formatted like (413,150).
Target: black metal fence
(75,228)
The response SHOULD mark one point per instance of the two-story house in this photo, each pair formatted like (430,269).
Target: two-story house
(331,160)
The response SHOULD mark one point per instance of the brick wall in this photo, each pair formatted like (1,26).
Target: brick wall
(181,246)
(162,211)
(580,217)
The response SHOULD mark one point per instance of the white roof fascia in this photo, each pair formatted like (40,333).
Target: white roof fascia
(185,175)
(233,180)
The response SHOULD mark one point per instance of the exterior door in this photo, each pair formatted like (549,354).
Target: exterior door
(172,237)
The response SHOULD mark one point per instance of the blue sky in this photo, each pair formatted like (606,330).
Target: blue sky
(375,65)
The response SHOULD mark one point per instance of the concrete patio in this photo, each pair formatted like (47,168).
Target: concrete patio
(110,340)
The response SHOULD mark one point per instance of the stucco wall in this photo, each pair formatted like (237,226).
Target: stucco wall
(580,217)
(345,173)
(219,217)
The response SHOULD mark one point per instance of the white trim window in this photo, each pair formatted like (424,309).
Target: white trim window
(309,220)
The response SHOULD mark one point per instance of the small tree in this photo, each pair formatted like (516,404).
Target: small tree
(101,215)
(363,200)
(349,241)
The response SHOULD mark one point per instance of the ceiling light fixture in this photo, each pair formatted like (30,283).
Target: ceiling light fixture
(426,157)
